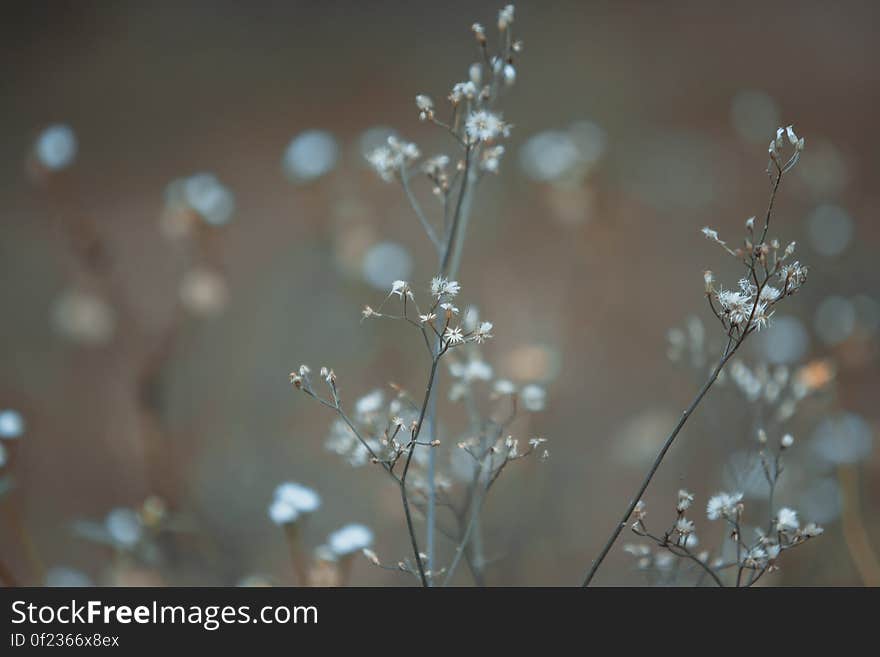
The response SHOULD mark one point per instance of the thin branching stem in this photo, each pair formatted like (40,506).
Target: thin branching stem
(725,356)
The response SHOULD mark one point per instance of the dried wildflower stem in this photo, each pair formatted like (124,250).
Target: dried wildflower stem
(446,261)
(476,508)
(736,334)
(403,493)
(683,552)
(420,213)
(449,257)
(729,350)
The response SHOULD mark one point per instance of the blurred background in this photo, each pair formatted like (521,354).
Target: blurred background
(145,355)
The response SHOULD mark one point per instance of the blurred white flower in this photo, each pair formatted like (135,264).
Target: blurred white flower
(388,160)
(11,423)
(723,505)
(787,520)
(754,115)
(124,527)
(207,196)
(84,317)
(350,539)
(831,229)
(310,155)
(533,397)
(843,438)
(835,320)
(203,291)
(370,403)
(282,512)
(56,147)
(386,262)
(302,498)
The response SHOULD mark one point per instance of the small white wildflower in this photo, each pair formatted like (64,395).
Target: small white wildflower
(640,511)
(453,335)
(483,333)
(723,505)
(443,287)
(756,557)
(349,539)
(711,234)
(505,17)
(685,499)
(463,91)
(787,441)
(689,541)
(787,520)
(449,308)
(811,530)
(490,160)
(536,442)
(709,280)
(425,106)
(400,288)
(533,397)
(479,32)
(483,126)
(769,293)
(436,165)
(388,160)
(430,317)
(684,526)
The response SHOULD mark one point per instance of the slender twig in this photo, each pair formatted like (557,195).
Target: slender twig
(417,208)
(726,355)
(736,336)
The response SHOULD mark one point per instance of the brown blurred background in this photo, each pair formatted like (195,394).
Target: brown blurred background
(582,279)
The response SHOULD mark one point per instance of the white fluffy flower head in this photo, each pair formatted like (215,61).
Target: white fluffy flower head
(349,539)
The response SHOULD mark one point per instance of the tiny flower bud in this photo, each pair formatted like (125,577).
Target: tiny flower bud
(479,32)
(709,279)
